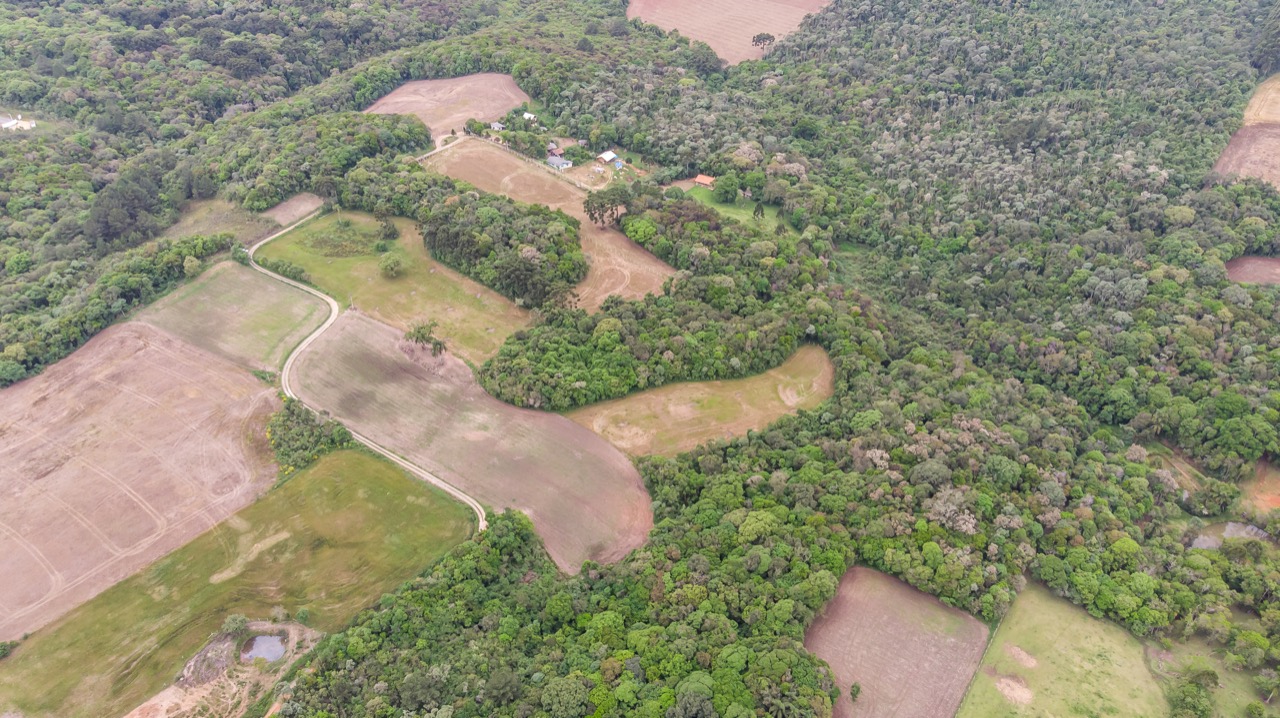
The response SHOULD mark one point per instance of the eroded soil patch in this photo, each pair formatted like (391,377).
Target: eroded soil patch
(727,25)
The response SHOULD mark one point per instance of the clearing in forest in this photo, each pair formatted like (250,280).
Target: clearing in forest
(727,25)
(1235,688)
(444,106)
(616,264)
(1050,658)
(584,496)
(215,216)
(239,314)
(293,209)
(912,655)
(677,417)
(1254,150)
(114,456)
(473,319)
(1263,490)
(331,540)
(1255,270)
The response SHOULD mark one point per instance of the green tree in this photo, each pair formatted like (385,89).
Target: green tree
(424,334)
(391,265)
(235,625)
(727,187)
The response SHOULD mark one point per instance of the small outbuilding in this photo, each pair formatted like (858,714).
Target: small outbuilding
(607,157)
(704,181)
(497,126)
(559,163)
(530,117)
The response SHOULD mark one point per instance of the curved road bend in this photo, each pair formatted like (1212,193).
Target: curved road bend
(334,310)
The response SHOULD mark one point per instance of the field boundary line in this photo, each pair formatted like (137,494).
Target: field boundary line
(482,522)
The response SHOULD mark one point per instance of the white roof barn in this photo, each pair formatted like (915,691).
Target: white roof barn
(608,156)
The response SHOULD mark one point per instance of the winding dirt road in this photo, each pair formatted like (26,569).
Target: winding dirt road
(334,310)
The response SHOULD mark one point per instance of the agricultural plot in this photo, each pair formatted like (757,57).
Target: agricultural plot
(678,417)
(473,319)
(727,25)
(115,456)
(293,209)
(1254,150)
(331,541)
(215,216)
(617,265)
(1263,490)
(444,106)
(1255,270)
(1050,658)
(239,314)
(911,655)
(583,495)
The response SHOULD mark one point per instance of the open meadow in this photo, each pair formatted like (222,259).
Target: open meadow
(1050,658)
(616,264)
(115,456)
(293,209)
(677,417)
(473,319)
(238,314)
(215,216)
(912,655)
(727,25)
(584,496)
(331,540)
(444,106)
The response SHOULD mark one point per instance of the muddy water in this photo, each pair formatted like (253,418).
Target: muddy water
(268,647)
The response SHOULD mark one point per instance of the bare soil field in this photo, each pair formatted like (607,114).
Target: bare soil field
(115,456)
(726,25)
(293,209)
(1254,270)
(1263,490)
(678,417)
(215,216)
(617,265)
(238,314)
(1264,106)
(912,655)
(446,105)
(584,496)
(1254,151)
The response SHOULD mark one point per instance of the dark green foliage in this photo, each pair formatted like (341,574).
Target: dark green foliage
(529,253)
(285,268)
(7,647)
(299,437)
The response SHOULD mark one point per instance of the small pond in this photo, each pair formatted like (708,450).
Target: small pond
(268,647)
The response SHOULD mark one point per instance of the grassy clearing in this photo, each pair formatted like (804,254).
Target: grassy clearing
(215,216)
(240,314)
(1235,688)
(742,210)
(678,417)
(1050,658)
(473,319)
(332,540)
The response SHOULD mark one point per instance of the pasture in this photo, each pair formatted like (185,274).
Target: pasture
(215,216)
(115,456)
(727,25)
(584,496)
(912,655)
(331,540)
(293,209)
(616,264)
(473,319)
(1235,688)
(444,106)
(677,417)
(1050,658)
(742,210)
(239,314)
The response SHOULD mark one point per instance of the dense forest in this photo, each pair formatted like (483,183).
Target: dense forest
(1001,222)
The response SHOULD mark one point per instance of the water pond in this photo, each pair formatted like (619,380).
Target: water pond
(268,647)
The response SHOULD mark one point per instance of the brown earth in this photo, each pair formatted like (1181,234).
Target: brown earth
(1264,106)
(679,417)
(1254,151)
(726,25)
(1263,490)
(912,655)
(584,496)
(293,209)
(215,216)
(127,449)
(617,265)
(1254,270)
(446,105)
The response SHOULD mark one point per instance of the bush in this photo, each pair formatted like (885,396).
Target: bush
(299,438)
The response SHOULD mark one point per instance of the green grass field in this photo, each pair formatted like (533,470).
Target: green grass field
(1050,658)
(240,314)
(473,319)
(331,540)
(742,210)
(1235,688)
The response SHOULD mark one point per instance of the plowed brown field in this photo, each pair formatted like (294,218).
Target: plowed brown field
(617,265)
(1254,270)
(1254,150)
(912,655)
(445,105)
(584,496)
(115,456)
(726,25)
